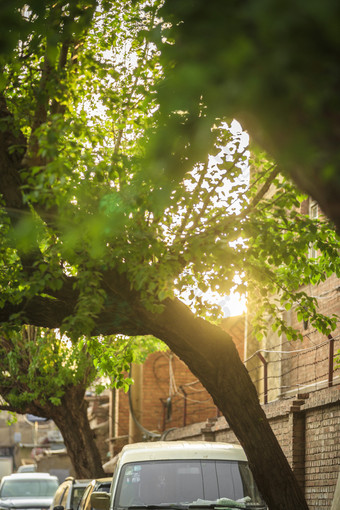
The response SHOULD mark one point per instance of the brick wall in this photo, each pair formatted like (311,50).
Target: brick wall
(311,365)
(300,366)
(322,453)
(171,395)
(308,430)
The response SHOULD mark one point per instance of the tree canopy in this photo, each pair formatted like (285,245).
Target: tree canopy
(41,374)
(274,67)
(124,195)
(44,374)
(79,106)
(37,366)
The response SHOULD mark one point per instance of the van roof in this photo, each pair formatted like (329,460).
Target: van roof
(190,450)
(30,476)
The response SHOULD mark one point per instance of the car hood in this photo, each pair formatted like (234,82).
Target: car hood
(25,502)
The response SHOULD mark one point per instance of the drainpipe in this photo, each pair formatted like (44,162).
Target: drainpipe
(331,361)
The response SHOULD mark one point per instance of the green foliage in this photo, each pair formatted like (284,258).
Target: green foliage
(39,365)
(112,357)
(102,227)
(273,65)
(11,418)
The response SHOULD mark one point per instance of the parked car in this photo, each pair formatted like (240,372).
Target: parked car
(27,490)
(69,493)
(99,484)
(178,474)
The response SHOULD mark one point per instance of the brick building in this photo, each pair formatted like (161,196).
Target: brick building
(280,368)
(170,396)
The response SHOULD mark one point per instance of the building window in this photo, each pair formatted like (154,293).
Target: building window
(313,209)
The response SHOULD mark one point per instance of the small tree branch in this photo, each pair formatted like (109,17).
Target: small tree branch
(8,408)
(193,198)
(274,172)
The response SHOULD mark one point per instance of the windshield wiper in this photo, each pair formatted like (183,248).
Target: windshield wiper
(175,506)
(229,505)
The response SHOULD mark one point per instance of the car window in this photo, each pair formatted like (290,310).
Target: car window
(103,487)
(26,488)
(77,494)
(28,468)
(85,503)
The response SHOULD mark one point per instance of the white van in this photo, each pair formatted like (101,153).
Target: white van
(180,475)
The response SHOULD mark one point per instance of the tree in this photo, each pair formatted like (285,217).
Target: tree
(41,375)
(47,376)
(97,241)
(274,67)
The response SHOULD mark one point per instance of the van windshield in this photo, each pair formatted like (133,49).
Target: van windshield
(185,482)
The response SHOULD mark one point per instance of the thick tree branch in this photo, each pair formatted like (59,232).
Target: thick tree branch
(49,311)
(274,172)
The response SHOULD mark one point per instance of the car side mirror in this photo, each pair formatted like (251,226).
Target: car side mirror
(100,500)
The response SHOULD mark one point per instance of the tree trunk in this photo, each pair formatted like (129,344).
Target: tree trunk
(72,421)
(212,356)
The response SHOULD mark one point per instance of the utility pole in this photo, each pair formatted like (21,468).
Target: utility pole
(113,415)
(136,403)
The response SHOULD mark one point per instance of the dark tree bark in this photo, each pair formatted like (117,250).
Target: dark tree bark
(72,421)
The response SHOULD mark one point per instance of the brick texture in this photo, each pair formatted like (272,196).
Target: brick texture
(309,434)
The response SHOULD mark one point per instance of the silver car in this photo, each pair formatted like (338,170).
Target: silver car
(21,491)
